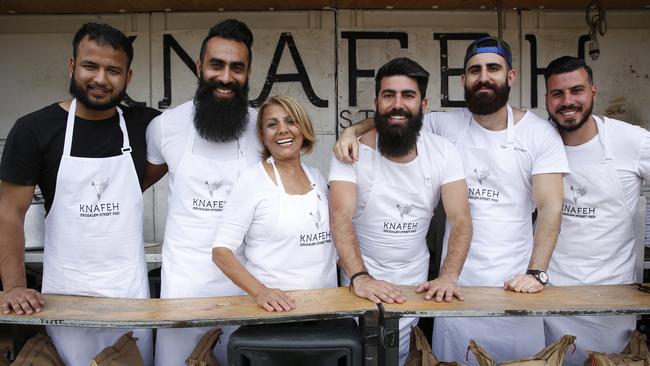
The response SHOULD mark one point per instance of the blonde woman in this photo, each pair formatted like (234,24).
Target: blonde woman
(277,215)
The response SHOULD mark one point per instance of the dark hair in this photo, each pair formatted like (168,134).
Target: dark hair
(103,35)
(489,45)
(231,29)
(403,66)
(566,64)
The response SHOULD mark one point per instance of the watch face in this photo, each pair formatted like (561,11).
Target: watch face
(543,276)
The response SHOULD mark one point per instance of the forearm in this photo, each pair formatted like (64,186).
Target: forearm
(458,246)
(347,247)
(360,128)
(12,253)
(233,269)
(546,232)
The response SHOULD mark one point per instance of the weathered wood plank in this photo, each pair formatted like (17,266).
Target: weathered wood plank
(330,304)
(178,313)
(494,301)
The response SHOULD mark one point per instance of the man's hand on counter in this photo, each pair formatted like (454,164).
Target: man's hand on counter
(21,300)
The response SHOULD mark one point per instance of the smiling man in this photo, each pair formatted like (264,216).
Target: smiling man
(514,162)
(84,152)
(381,206)
(609,159)
(203,144)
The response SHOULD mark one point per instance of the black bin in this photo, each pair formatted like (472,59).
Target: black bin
(315,343)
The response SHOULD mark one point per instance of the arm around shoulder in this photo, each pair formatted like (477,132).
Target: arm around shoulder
(346,148)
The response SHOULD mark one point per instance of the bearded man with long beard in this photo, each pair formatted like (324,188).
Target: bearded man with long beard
(514,162)
(203,144)
(381,206)
(86,152)
(609,159)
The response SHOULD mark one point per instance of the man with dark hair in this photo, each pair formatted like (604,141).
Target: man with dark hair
(203,144)
(514,162)
(87,156)
(381,206)
(609,159)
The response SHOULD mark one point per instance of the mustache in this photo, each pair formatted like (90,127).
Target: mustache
(208,86)
(398,112)
(99,87)
(484,84)
(563,108)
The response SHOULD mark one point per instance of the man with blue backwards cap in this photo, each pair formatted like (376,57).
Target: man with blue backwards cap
(514,162)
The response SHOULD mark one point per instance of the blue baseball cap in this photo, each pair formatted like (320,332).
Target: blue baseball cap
(489,45)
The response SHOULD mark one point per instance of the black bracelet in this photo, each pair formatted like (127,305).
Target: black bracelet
(354,276)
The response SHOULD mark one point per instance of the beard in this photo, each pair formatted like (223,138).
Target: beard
(486,103)
(220,119)
(77,91)
(572,126)
(397,140)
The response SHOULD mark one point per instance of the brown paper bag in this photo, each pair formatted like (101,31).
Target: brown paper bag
(124,352)
(634,354)
(38,351)
(420,353)
(552,355)
(202,354)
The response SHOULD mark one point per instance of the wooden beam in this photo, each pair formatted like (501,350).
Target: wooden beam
(147,6)
(330,304)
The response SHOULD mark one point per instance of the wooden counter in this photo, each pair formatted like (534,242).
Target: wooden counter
(179,313)
(330,304)
(494,301)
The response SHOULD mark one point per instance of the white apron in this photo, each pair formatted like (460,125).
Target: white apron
(595,247)
(198,196)
(299,253)
(501,205)
(392,232)
(93,243)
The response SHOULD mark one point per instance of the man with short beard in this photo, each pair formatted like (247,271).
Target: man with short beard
(514,162)
(203,144)
(609,159)
(381,206)
(87,156)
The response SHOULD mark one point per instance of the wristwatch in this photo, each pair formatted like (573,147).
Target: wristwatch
(539,275)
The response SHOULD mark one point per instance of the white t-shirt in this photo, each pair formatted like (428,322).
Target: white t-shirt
(167,134)
(541,147)
(250,219)
(630,147)
(446,167)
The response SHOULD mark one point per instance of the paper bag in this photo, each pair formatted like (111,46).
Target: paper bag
(552,355)
(203,355)
(124,352)
(38,351)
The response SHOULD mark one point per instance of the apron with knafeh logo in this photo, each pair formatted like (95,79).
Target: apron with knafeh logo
(501,205)
(197,199)
(93,241)
(299,253)
(392,231)
(595,247)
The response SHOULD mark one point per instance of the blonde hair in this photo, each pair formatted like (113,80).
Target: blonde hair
(299,116)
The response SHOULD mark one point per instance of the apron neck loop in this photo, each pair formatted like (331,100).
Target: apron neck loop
(600,127)
(278,180)
(69,129)
(191,139)
(276,173)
